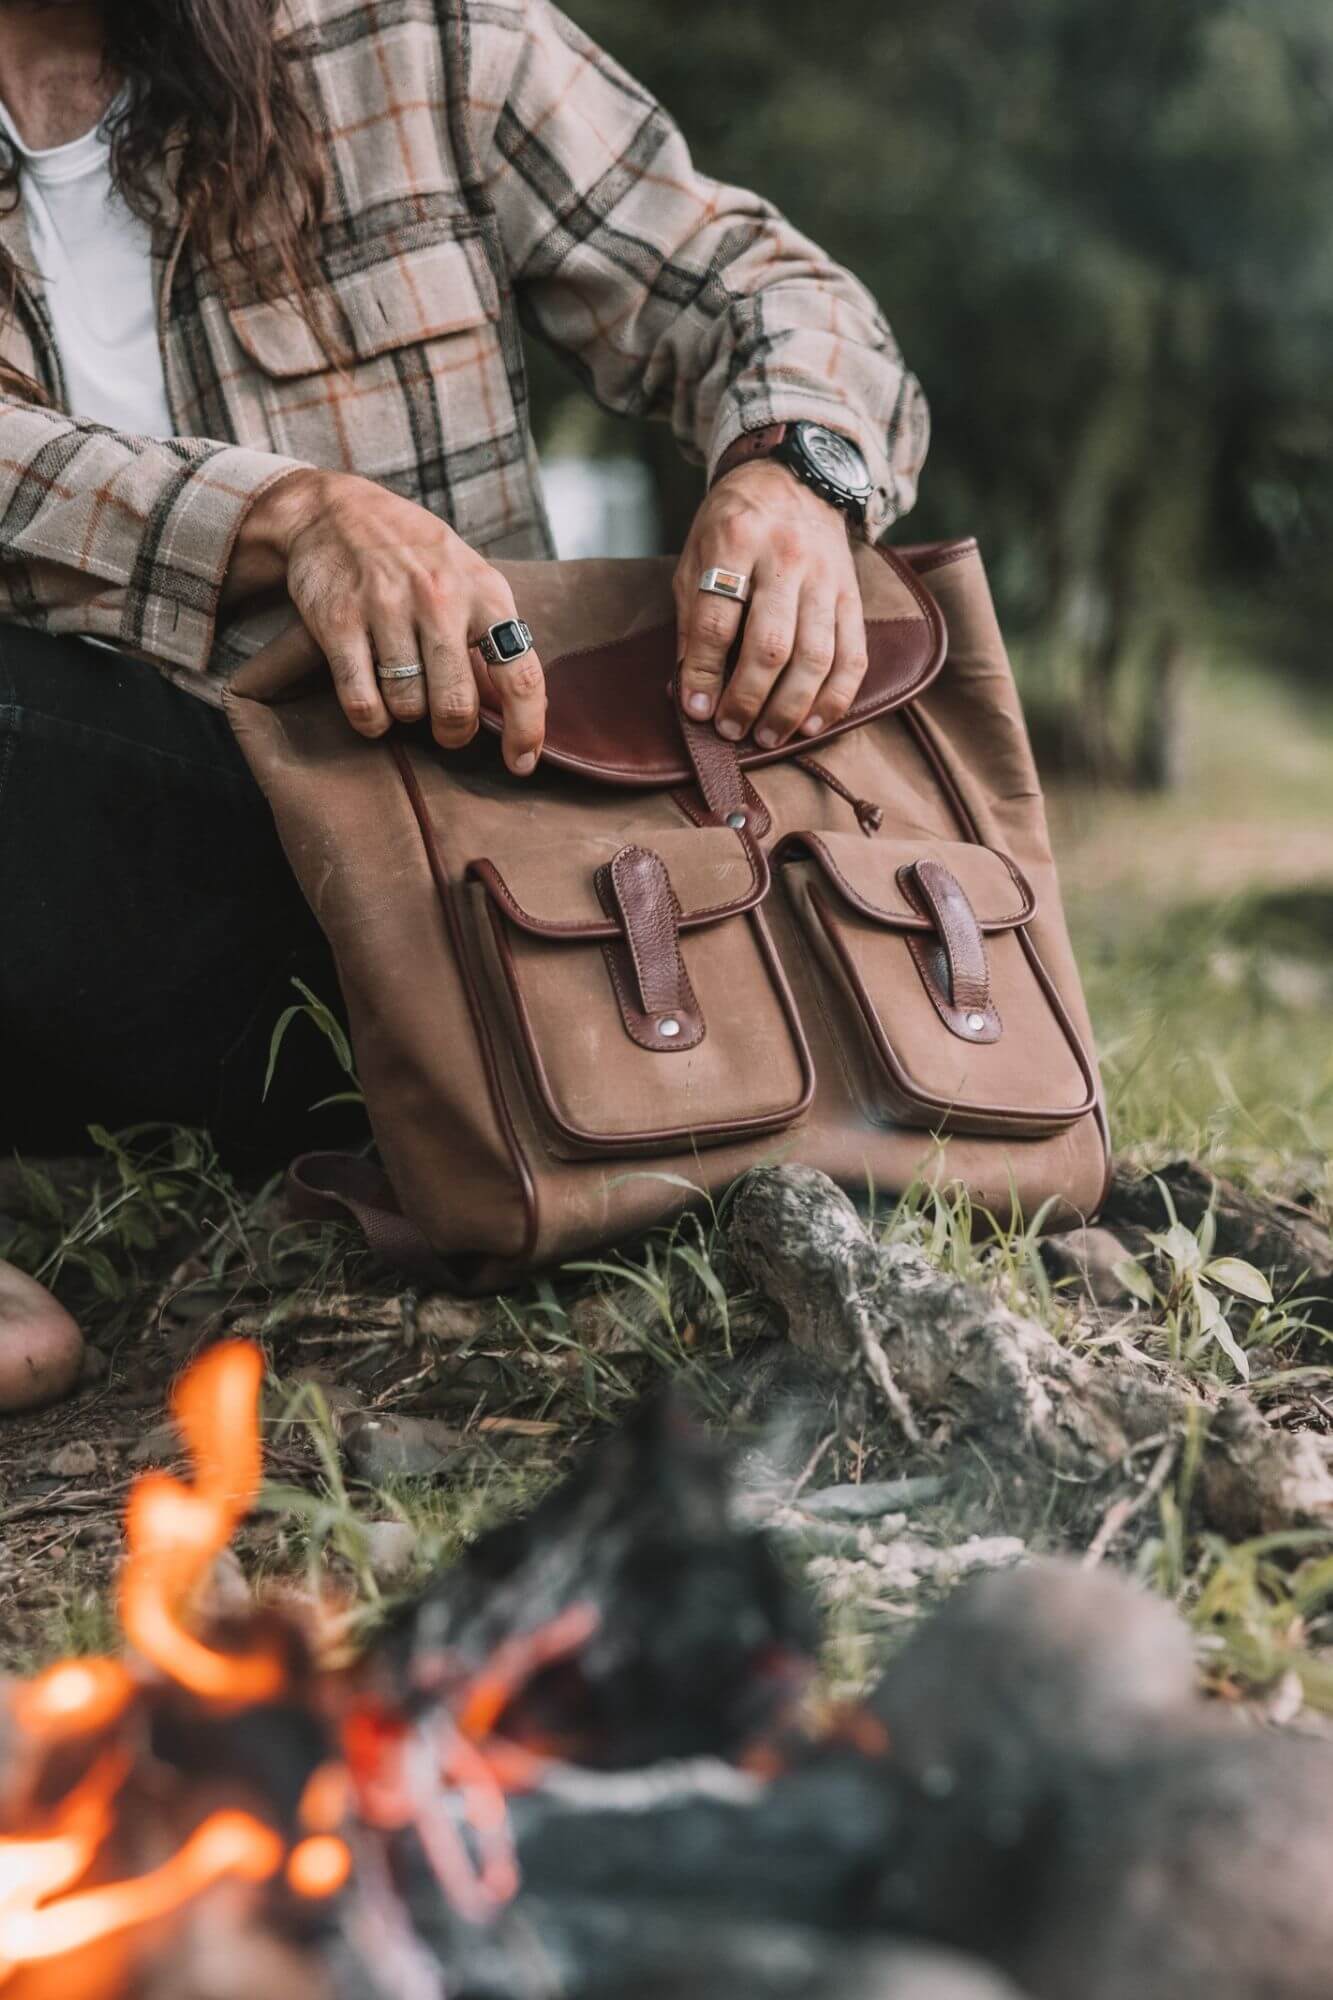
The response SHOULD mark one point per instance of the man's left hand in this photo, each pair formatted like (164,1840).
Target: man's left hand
(803,655)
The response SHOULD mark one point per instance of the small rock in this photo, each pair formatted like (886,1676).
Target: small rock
(156,1446)
(1090,1256)
(73,1461)
(445,1318)
(388,1447)
(602,1320)
(41,1349)
(390,1547)
(96,1367)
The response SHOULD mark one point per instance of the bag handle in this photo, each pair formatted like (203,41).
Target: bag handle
(345,1187)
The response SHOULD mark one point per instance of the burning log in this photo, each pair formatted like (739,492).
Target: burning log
(580,1766)
(963,1360)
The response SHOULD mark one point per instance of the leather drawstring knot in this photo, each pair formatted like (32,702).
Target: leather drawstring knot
(869,816)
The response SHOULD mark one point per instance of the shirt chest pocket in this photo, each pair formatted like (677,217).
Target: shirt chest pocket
(415,381)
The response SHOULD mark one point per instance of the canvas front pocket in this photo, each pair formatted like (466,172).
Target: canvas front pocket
(644,1002)
(935,993)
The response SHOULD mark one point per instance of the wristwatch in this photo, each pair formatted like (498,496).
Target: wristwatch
(830,464)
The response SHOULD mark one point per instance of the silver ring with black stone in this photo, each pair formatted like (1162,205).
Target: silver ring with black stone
(504,643)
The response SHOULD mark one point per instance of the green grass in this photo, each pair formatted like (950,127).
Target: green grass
(1189,914)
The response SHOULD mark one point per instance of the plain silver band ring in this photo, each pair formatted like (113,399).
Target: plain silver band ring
(403,670)
(733,583)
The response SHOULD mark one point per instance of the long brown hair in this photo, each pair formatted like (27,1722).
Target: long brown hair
(214,81)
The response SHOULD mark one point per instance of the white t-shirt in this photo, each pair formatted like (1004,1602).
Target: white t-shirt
(96,259)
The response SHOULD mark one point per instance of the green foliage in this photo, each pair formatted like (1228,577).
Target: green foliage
(326,1023)
(1101,233)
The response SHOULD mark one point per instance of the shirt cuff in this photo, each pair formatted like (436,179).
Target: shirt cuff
(173,598)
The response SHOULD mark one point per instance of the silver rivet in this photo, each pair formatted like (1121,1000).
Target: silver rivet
(669,1026)
(737,822)
(976,1022)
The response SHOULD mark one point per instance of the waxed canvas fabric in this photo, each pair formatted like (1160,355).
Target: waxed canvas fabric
(517,1119)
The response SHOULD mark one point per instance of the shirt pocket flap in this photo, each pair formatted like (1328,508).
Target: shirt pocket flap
(420,292)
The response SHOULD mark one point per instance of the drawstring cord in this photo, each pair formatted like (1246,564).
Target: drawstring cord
(869,816)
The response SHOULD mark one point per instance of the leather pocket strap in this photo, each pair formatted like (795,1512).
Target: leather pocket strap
(952,963)
(657,1002)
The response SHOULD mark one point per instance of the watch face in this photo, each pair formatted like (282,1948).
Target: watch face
(834,458)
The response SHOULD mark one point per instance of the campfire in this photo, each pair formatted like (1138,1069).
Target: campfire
(591,1760)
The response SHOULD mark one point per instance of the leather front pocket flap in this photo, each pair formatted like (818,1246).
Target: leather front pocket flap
(645,1008)
(947,1015)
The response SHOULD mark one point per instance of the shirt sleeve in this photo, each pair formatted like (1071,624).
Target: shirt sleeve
(124,539)
(675,295)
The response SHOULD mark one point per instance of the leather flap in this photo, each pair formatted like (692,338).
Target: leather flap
(423,291)
(553,892)
(866,875)
(606,634)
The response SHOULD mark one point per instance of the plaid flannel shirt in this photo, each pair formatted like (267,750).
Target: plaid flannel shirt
(490,167)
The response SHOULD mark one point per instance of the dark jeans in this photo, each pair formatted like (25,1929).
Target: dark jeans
(149,924)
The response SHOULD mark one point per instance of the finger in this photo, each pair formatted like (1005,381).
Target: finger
(520,684)
(451,685)
(850,663)
(770,634)
(396,645)
(793,693)
(345,643)
(708,625)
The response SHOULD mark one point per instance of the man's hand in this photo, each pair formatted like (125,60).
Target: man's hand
(378,579)
(803,656)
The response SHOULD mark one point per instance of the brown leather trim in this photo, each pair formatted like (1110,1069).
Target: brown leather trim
(481,1026)
(625,769)
(716,767)
(582,931)
(932,963)
(624,1144)
(941,1114)
(906,916)
(924,738)
(761,443)
(647,971)
(758,820)
(924,557)
(952,964)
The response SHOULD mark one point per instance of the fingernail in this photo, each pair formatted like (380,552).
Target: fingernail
(766,738)
(699,704)
(733,731)
(526,764)
(812,725)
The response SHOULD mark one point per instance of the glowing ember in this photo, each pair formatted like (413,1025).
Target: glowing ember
(72,1699)
(319,1866)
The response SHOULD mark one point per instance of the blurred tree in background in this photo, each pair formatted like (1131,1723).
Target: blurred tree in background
(1104,236)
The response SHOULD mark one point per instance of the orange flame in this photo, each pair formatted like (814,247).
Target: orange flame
(228,1843)
(73,1698)
(176,1531)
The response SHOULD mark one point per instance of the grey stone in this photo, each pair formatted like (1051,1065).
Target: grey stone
(390,1547)
(73,1461)
(389,1447)
(1090,1257)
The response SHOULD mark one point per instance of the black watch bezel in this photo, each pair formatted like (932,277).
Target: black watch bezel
(851,500)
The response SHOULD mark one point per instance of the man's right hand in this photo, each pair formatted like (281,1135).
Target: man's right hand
(376,578)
